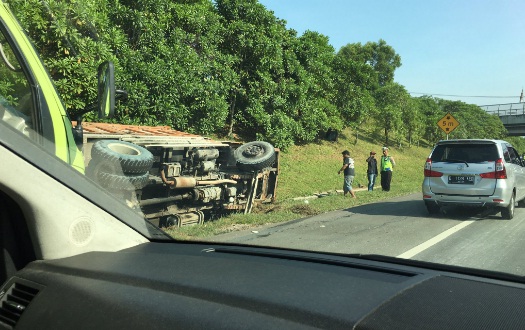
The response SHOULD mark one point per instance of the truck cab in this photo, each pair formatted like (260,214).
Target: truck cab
(29,101)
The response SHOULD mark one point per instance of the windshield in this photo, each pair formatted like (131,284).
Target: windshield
(301,125)
(470,153)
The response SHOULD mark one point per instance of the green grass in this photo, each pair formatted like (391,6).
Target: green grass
(310,169)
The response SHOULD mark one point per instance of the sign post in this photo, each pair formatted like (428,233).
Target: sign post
(448,123)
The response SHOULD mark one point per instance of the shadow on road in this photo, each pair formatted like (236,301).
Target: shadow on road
(416,208)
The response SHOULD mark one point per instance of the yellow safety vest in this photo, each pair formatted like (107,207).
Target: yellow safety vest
(386,164)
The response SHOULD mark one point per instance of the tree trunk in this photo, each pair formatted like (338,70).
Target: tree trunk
(232,113)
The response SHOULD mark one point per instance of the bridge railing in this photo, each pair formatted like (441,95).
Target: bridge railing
(508,109)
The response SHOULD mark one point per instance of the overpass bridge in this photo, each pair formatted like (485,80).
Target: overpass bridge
(511,114)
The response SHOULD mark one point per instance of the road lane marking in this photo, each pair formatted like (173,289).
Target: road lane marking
(436,239)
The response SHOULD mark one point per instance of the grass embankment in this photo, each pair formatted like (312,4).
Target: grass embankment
(312,169)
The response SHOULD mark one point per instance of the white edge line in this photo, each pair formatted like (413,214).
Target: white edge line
(436,239)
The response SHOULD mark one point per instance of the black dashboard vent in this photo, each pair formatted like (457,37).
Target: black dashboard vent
(14,300)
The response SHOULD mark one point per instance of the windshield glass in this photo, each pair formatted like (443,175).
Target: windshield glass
(472,153)
(15,94)
(302,125)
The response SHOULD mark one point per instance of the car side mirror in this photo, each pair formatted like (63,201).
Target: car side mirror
(106,90)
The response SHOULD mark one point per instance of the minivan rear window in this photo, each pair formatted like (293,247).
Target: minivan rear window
(470,153)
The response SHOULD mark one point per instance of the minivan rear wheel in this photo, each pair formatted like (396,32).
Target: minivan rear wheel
(521,203)
(432,207)
(508,212)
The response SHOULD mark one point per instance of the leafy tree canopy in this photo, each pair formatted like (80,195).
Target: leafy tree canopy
(230,67)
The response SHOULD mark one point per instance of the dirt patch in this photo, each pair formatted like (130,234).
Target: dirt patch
(236,227)
(304,210)
(266,208)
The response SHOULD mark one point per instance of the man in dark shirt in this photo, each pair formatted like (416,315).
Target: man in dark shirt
(372,170)
(349,173)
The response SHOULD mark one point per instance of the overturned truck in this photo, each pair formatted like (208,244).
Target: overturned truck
(176,178)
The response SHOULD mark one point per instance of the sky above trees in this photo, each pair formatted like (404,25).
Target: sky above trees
(447,47)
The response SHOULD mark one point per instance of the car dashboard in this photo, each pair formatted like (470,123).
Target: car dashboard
(195,285)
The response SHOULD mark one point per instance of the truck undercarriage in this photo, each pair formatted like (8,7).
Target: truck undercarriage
(177,178)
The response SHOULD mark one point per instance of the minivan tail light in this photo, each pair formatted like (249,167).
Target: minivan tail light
(428,170)
(499,173)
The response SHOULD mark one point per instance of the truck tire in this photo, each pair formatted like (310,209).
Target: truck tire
(97,166)
(109,175)
(132,158)
(123,182)
(254,156)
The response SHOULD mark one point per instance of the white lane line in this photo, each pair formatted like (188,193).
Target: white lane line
(436,239)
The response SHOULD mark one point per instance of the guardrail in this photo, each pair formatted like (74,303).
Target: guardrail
(508,109)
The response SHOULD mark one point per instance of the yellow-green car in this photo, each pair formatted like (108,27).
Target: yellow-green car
(29,101)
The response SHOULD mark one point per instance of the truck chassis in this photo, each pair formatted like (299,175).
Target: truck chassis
(176,178)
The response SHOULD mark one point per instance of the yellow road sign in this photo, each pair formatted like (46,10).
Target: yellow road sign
(448,123)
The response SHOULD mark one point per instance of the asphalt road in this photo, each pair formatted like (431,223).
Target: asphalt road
(401,227)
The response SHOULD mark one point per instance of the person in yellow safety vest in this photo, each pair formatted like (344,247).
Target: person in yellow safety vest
(387,165)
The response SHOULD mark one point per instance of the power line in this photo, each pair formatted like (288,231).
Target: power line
(482,96)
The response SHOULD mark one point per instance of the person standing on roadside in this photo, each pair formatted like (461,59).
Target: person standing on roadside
(387,167)
(349,173)
(372,171)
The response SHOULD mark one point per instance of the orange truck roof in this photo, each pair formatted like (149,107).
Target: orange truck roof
(148,136)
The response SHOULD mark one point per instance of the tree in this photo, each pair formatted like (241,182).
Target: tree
(391,99)
(431,112)
(378,55)
(474,122)
(172,64)
(413,120)
(254,39)
(316,111)
(285,83)
(353,82)
(231,66)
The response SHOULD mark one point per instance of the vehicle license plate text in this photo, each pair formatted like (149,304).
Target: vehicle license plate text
(461,179)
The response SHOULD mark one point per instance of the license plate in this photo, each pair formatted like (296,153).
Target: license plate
(461,179)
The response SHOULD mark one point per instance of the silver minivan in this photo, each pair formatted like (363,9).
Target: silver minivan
(474,173)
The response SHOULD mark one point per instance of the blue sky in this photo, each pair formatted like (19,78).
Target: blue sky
(447,47)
